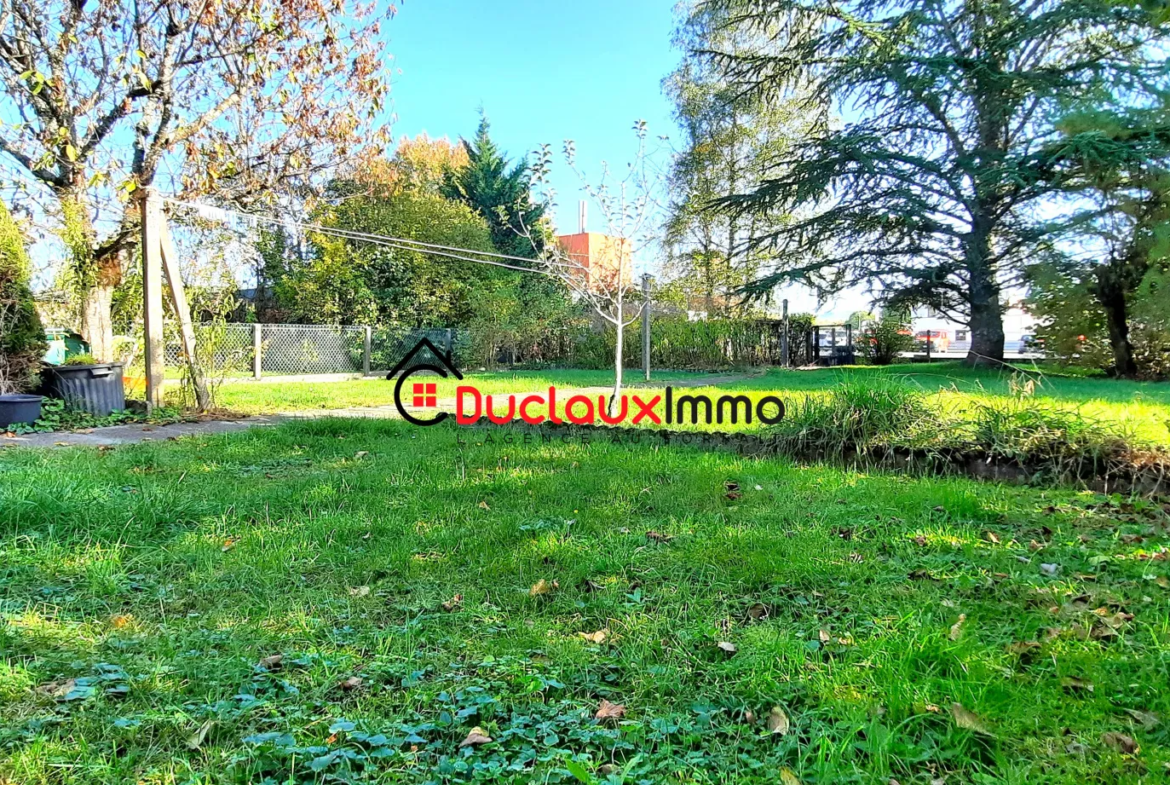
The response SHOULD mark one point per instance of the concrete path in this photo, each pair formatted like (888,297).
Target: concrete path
(132,434)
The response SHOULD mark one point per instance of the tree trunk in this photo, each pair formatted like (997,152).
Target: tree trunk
(1110,293)
(617,370)
(97,325)
(987,339)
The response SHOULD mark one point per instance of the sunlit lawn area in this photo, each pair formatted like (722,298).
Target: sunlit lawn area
(344,601)
(274,396)
(1140,410)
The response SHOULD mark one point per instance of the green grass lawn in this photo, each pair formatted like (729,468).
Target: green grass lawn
(344,601)
(1137,410)
(273,397)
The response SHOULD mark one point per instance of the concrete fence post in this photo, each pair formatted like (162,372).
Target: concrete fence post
(257,350)
(367,341)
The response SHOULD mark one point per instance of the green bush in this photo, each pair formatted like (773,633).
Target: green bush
(881,341)
(22,337)
(707,345)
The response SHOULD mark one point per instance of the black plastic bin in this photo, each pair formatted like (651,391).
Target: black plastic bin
(19,410)
(96,389)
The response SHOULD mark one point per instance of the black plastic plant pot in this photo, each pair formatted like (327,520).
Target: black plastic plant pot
(95,389)
(19,410)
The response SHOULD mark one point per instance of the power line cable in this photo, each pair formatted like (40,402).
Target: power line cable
(398,243)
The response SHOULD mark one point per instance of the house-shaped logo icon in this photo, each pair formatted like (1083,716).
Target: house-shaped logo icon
(424,394)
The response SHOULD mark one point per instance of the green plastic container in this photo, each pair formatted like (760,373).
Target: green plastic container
(63,344)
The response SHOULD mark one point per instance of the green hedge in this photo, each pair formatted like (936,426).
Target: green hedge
(22,337)
(709,345)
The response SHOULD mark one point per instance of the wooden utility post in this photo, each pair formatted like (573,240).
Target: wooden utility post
(646,325)
(784,338)
(158,254)
(170,262)
(152,308)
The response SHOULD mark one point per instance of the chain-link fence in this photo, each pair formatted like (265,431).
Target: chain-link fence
(258,350)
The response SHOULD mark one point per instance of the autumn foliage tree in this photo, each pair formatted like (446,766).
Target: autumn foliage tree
(230,99)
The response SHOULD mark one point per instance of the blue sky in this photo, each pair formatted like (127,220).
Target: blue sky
(543,70)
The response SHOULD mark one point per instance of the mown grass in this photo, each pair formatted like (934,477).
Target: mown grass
(273,396)
(1137,411)
(865,605)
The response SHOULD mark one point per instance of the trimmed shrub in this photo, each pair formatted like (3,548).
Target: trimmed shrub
(22,337)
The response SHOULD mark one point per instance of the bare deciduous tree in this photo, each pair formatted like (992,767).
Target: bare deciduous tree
(226,98)
(631,214)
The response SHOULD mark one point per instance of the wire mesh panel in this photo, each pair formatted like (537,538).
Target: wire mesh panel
(223,349)
(285,349)
(309,349)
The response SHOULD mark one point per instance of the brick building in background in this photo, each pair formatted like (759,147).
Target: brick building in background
(599,256)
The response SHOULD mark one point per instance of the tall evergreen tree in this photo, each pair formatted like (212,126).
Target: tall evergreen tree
(931,180)
(1115,170)
(498,192)
(728,141)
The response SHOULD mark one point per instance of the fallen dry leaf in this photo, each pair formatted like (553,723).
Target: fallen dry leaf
(1114,620)
(1076,684)
(1120,742)
(199,736)
(272,662)
(1023,649)
(351,684)
(453,603)
(595,637)
(543,588)
(824,636)
(757,611)
(727,648)
(361,453)
(484,506)
(359,591)
(475,738)
(968,720)
(1162,581)
(610,711)
(1147,719)
(788,777)
(749,716)
(654,536)
(778,722)
(920,539)
(957,627)
(57,688)
(991,537)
